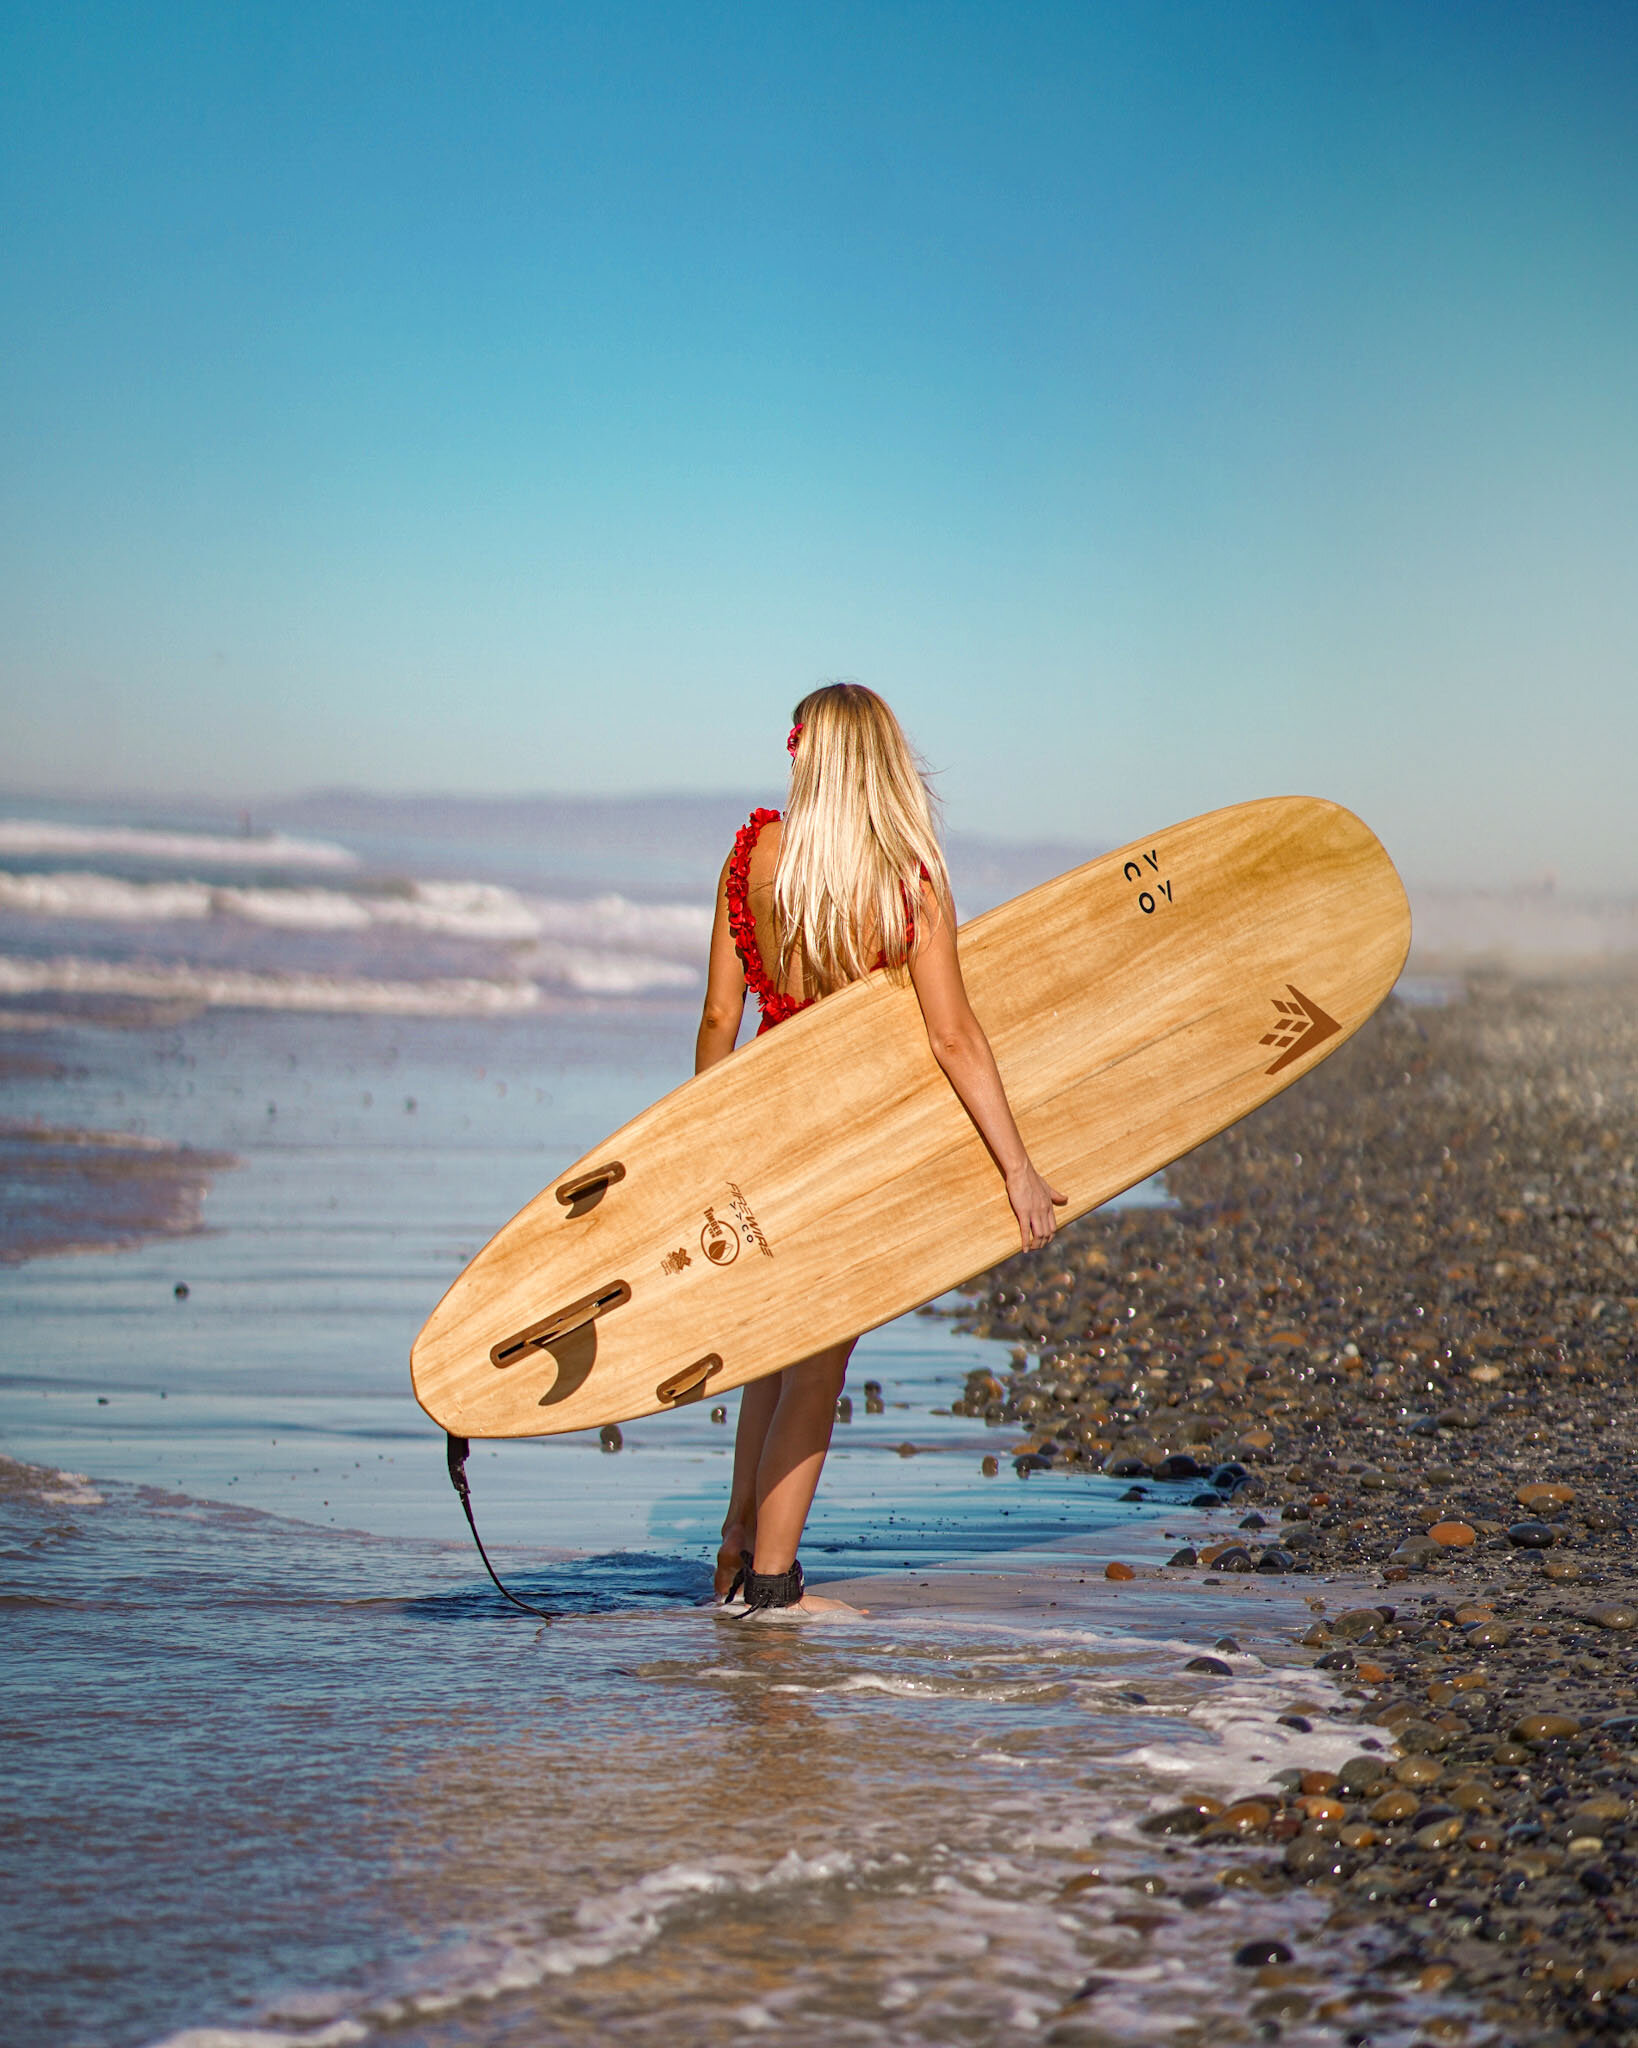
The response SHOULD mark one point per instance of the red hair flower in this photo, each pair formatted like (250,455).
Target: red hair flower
(790,744)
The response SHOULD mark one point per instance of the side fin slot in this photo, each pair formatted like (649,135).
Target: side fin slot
(688,1384)
(547,1331)
(586,1190)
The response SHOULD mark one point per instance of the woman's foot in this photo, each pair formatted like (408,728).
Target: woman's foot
(738,1542)
(811,1606)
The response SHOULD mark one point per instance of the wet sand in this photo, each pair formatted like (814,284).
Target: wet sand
(68,1190)
(1404,1299)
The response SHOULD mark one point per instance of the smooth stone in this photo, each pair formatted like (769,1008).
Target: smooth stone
(1179,1466)
(1539,1728)
(1185,1556)
(609,1436)
(1438,1834)
(1417,1770)
(1453,1535)
(1358,1772)
(1545,1494)
(989,1465)
(1246,1817)
(1117,1570)
(1561,1569)
(1614,1617)
(1593,1815)
(1257,1955)
(1531,1535)
(1470,1796)
(1417,1738)
(1176,1820)
(1309,1856)
(1214,1665)
(1358,1622)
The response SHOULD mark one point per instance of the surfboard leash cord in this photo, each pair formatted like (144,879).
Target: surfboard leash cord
(455,1450)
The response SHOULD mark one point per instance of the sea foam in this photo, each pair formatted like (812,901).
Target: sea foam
(36,836)
(242,989)
(486,912)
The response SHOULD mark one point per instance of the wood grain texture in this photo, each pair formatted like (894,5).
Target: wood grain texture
(834,1167)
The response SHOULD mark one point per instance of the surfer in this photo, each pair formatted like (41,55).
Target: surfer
(851,880)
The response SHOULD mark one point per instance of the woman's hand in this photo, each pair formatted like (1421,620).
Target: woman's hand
(1033,1201)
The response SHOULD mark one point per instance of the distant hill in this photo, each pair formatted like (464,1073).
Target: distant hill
(653,844)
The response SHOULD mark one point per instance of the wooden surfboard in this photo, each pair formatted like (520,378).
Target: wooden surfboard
(825,1178)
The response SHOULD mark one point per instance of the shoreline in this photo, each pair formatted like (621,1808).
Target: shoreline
(1401,1296)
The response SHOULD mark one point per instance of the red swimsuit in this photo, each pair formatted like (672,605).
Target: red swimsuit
(775,1005)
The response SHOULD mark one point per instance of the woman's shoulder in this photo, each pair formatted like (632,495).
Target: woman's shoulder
(761,826)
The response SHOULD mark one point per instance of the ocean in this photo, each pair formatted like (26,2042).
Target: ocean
(284,1769)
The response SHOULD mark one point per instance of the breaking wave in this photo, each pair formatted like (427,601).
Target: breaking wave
(484,911)
(36,836)
(229,988)
(243,989)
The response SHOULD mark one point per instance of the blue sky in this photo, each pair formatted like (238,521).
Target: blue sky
(1160,404)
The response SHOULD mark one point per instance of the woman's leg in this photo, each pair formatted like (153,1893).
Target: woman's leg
(793,1453)
(756,1411)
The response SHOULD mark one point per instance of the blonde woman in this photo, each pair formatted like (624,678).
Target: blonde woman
(850,881)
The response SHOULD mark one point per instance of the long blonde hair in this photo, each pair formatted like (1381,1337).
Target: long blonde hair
(859,833)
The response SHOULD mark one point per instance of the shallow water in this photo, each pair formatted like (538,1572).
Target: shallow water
(283,1768)
(324,1787)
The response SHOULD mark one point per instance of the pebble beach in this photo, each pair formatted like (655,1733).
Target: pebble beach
(1392,1328)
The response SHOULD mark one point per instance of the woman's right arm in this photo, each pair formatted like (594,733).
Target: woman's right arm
(961,1049)
(724,988)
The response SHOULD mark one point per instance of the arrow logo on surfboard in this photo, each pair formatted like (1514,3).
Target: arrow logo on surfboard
(1302,1026)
